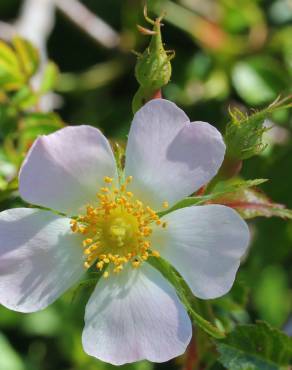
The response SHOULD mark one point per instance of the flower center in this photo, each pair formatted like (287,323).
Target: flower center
(117,230)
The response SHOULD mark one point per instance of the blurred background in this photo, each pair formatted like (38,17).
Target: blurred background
(228,53)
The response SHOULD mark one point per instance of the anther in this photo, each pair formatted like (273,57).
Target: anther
(129,179)
(100,265)
(106,274)
(155,254)
(87,242)
(108,180)
(118,269)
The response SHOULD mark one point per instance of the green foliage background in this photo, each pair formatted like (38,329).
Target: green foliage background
(228,53)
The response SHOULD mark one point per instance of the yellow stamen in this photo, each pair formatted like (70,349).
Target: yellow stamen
(155,254)
(87,242)
(100,265)
(136,264)
(108,180)
(129,179)
(106,274)
(117,230)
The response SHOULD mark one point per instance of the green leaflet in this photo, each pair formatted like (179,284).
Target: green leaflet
(18,64)
(24,98)
(221,189)
(187,298)
(28,56)
(50,78)
(255,347)
(11,76)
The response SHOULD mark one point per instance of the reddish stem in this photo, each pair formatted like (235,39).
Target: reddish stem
(157,95)
(230,168)
(191,356)
(201,191)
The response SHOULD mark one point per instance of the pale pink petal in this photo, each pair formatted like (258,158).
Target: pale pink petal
(204,244)
(169,157)
(64,170)
(135,315)
(40,258)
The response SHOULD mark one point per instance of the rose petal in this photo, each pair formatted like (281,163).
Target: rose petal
(135,315)
(64,170)
(40,258)
(169,157)
(204,244)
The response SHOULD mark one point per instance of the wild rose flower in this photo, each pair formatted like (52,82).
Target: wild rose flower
(111,224)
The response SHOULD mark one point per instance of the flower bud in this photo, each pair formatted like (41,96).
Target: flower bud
(244,134)
(153,68)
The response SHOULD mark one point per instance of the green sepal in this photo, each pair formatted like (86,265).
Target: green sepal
(249,201)
(222,188)
(142,96)
(185,295)
(88,284)
(244,133)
